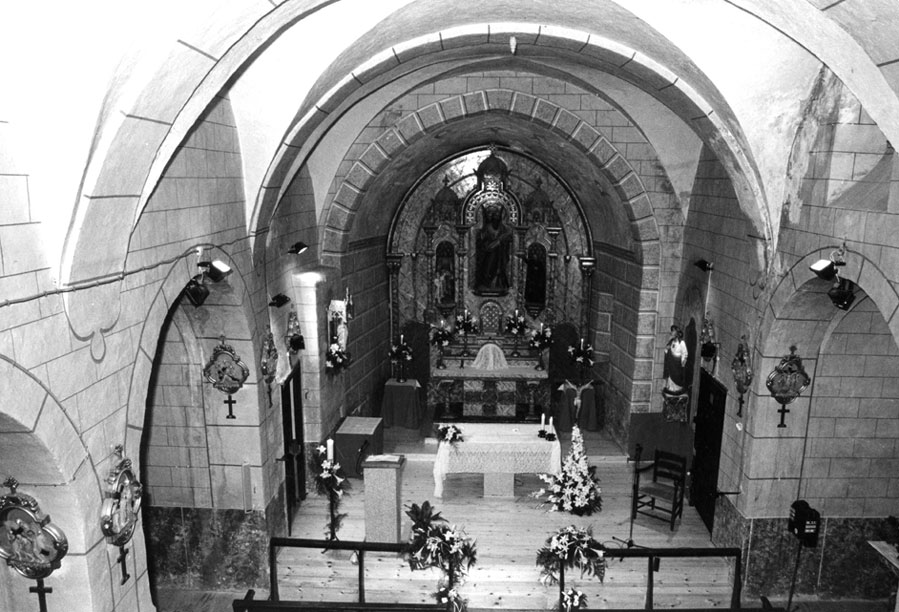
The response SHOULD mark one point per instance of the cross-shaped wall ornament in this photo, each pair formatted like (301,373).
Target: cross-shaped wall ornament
(41,591)
(230,401)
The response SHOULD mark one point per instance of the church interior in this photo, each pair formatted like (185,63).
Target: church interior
(262,235)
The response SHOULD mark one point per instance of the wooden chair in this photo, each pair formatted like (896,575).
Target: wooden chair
(663,496)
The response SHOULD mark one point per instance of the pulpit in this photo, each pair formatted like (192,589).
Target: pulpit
(401,406)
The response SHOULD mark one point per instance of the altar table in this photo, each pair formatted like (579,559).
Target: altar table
(401,405)
(499,451)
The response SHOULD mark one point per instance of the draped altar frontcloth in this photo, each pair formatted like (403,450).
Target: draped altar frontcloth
(497,448)
(490,357)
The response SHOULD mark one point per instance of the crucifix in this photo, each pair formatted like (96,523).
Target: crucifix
(230,401)
(783,410)
(123,552)
(41,591)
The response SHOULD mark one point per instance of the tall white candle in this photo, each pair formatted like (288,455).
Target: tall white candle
(550,422)
(330,445)
(582,344)
(401,338)
(541,327)
(542,420)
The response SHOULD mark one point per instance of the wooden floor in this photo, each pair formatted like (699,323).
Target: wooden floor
(508,533)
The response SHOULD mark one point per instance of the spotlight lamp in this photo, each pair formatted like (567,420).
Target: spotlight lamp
(279,300)
(216,270)
(297,248)
(841,294)
(705,266)
(826,269)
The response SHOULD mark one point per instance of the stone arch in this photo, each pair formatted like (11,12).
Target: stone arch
(392,142)
(41,447)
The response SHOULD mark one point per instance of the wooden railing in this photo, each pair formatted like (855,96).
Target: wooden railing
(652,555)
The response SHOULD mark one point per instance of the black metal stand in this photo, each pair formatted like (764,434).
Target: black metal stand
(41,591)
(795,574)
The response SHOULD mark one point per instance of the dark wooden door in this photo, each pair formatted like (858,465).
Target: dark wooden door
(294,464)
(709,424)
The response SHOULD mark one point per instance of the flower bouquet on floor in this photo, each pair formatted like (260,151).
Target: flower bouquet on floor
(400,354)
(571,547)
(450,434)
(540,340)
(576,488)
(572,599)
(434,543)
(330,481)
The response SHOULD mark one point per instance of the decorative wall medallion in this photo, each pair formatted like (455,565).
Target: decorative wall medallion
(119,513)
(30,543)
(225,370)
(787,381)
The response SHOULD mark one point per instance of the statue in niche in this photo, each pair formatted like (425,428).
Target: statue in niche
(675,362)
(535,280)
(445,273)
(492,253)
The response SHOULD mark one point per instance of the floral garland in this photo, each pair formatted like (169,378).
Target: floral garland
(434,543)
(441,336)
(576,488)
(572,599)
(582,355)
(400,352)
(465,323)
(540,338)
(330,481)
(571,547)
(336,358)
(449,433)
(516,325)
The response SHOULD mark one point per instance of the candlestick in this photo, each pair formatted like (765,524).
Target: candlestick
(330,446)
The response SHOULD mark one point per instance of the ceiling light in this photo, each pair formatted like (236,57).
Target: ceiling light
(298,248)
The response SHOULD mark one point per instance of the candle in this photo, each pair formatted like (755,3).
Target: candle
(330,444)
(543,420)
(516,313)
(550,422)
(541,327)
(582,344)
(442,323)
(401,340)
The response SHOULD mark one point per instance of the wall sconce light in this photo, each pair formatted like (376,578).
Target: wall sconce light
(297,248)
(279,300)
(787,381)
(741,366)
(216,270)
(294,336)
(567,257)
(705,266)
(196,291)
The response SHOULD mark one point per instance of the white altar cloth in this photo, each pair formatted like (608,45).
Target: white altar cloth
(499,451)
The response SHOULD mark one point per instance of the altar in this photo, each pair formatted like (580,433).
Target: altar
(514,391)
(499,451)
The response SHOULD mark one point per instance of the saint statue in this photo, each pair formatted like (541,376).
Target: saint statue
(675,362)
(492,253)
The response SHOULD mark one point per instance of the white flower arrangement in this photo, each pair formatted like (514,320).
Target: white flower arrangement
(575,489)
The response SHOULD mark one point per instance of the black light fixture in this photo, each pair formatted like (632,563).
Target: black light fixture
(279,300)
(196,291)
(216,270)
(297,248)
(705,266)
(841,294)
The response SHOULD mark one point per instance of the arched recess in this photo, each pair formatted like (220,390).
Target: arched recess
(42,449)
(801,314)
(205,472)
